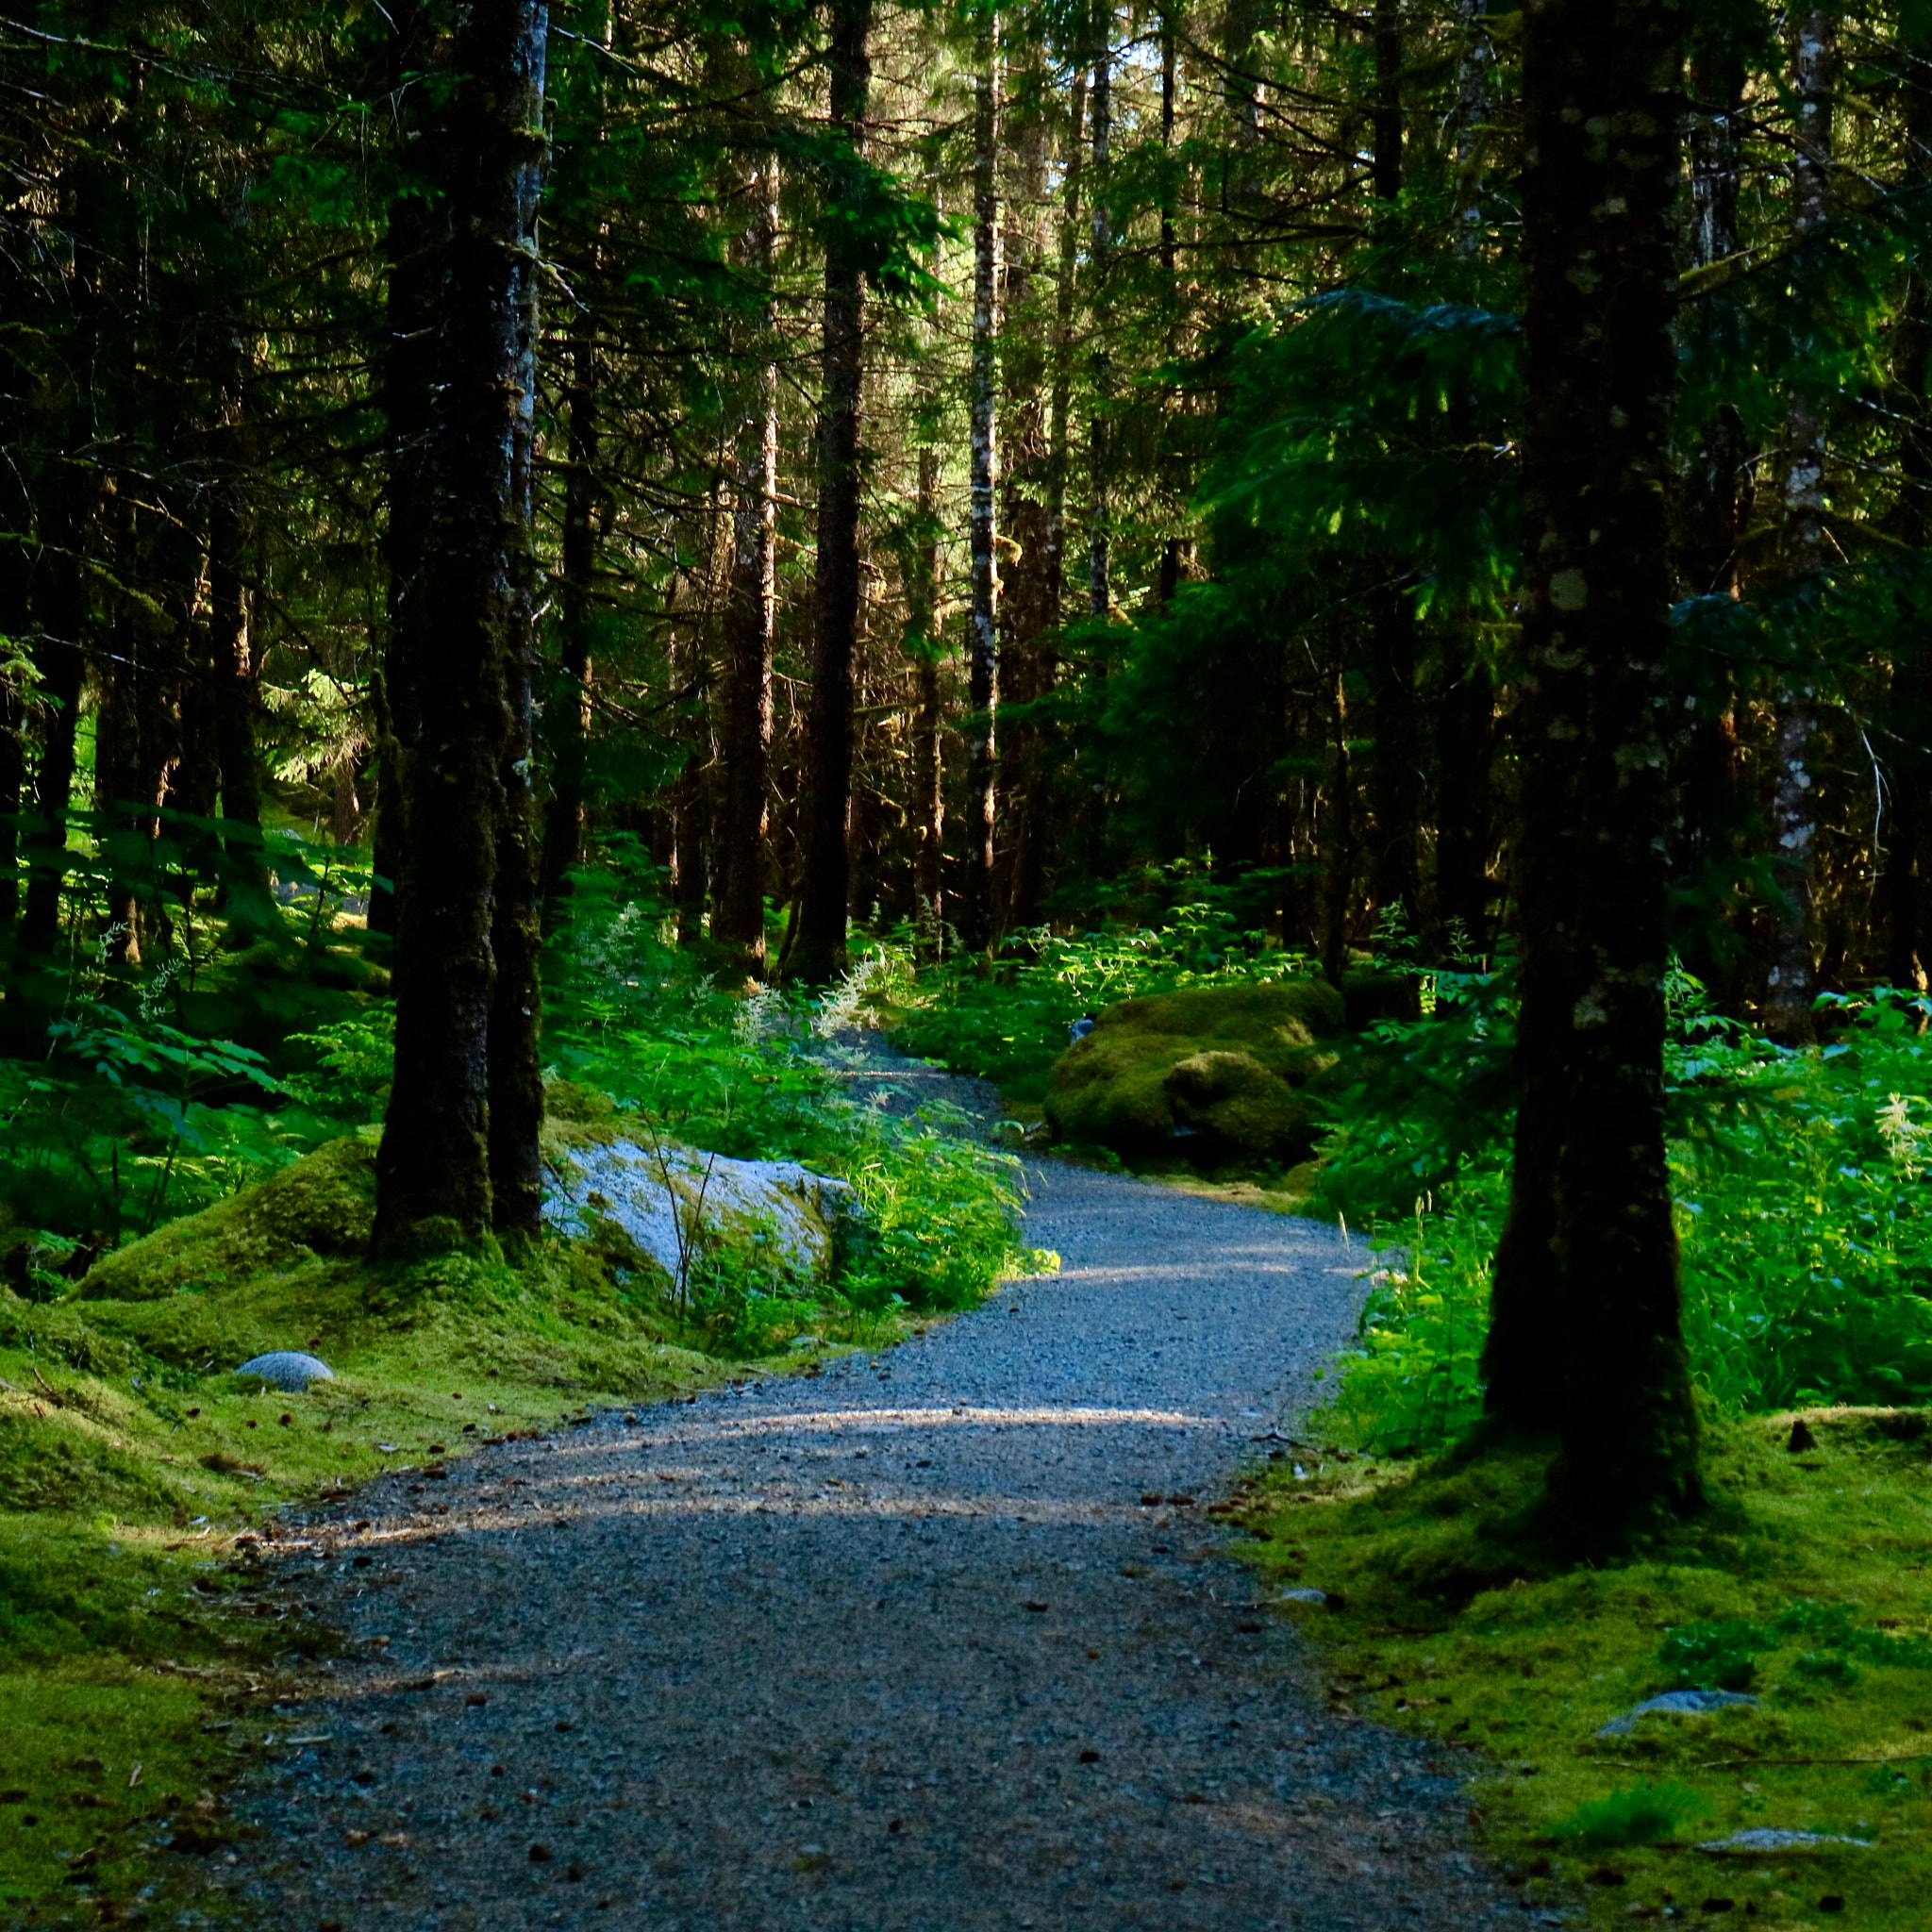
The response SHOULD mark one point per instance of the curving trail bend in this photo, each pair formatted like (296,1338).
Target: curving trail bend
(896,1646)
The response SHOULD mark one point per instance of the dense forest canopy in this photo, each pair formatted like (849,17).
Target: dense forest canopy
(976,471)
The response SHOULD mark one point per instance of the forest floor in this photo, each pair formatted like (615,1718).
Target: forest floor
(935,1638)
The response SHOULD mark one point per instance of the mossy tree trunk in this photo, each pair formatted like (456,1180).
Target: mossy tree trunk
(815,950)
(1585,1338)
(465,965)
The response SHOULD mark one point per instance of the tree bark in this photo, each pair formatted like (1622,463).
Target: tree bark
(62,607)
(929,769)
(1396,776)
(1793,981)
(1066,299)
(816,953)
(1911,700)
(1099,535)
(567,717)
(1338,839)
(1709,518)
(516,931)
(1585,1332)
(1385,172)
(750,614)
(982,676)
(1465,743)
(235,673)
(464,965)
(415,247)
(1474,62)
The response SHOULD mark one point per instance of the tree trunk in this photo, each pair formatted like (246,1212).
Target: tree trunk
(1911,705)
(1708,522)
(465,988)
(1473,64)
(816,953)
(1465,740)
(750,616)
(1793,982)
(1338,837)
(415,250)
(234,672)
(928,769)
(567,717)
(1066,297)
(1396,776)
(137,737)
(16,622)
(1242,95)
(982,676)
(1099,537)
(1385,172)
(1584,1334)
(62,607)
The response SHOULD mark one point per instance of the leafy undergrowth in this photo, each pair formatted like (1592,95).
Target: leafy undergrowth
(1802,1583)
(134,1468)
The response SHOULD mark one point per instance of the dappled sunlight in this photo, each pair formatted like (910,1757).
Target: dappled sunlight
(824,1421)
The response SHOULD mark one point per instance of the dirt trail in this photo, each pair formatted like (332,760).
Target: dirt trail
(897,1646)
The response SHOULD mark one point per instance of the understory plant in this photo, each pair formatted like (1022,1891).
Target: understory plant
(1804,1208)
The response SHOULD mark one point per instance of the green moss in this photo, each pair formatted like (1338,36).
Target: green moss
(132,1459)
(1459,1623)
(1221,1067)
(324,1204)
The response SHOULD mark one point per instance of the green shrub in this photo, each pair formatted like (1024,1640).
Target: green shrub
(1648,1814)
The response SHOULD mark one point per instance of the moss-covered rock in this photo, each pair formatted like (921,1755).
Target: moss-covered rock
(324,1204)
(671,1203)
(1215,1072)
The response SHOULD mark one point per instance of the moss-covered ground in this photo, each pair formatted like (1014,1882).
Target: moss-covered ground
(137,1666)
(1803,1584)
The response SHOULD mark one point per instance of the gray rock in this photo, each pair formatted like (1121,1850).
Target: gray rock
(1303,1596)
(288,1368)
(660,1198)
(1685,1702)
(1771,1837)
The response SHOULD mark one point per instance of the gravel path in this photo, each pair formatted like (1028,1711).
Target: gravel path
(897,1646)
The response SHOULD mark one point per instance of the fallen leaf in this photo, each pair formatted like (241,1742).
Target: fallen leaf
(356,1838)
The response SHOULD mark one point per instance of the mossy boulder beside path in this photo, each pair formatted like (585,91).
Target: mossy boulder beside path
(1217,1073)
(671,1202)
(276,1246)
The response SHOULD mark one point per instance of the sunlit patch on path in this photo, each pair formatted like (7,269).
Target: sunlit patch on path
(958,1653)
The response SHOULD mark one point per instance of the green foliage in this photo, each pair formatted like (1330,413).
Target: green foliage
(762,1076)
(1721,1654)
(1645,1815)
(1221,1070)
(1183,927)
(1461,1625)
(1803,1207)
